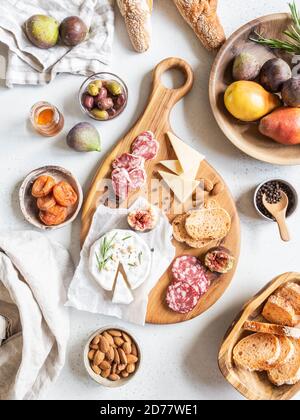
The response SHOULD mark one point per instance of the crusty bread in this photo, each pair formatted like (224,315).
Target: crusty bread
(289,372)
(261,327)
(279,310)
(137,15)
(287,350)
(201,15)
(257,352)
(291,292)
(210,224)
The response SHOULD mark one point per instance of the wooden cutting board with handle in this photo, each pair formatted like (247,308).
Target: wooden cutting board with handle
(156,119)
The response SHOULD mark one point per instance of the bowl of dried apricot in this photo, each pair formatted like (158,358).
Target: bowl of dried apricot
(112,357)
(50,197)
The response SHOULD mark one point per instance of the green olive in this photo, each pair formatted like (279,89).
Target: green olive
(98,83)
(99,114)
(114,87)
(93,89)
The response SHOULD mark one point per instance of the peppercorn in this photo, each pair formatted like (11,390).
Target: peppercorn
(272,191)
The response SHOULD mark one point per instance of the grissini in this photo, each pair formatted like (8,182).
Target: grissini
(137,15)
(202,16)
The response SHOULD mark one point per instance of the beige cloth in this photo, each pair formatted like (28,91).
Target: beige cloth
(32,296)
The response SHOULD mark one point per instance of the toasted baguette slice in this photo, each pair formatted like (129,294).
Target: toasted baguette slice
(289,372)
(208,224)
(278,310)
(257,352)
(291,292)
(261,327)
(287,351)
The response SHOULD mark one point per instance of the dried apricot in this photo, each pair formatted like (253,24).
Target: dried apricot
(54,216)
(42,186)
(64,194)
(46,203)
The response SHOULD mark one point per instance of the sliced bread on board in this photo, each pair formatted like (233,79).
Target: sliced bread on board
(261,327)
(279,310)
(291,292)
(289,372)
(287,350)
(208,224)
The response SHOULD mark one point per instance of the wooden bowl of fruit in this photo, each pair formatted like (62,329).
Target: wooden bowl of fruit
(254,94)
(50,197)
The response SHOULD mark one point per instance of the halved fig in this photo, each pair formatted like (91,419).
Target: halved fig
(219,260)
(42,186)
(142,220)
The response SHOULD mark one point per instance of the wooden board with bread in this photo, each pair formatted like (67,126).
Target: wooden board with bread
(260,355)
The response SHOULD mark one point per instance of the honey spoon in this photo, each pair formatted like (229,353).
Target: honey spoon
(278,211)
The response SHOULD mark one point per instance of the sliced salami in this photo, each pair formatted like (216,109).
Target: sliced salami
(120,182)
(188,269)
(137,178)
(128,161)
(182,297)
(145,146)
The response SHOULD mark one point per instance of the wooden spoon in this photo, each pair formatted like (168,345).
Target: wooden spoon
(278,211)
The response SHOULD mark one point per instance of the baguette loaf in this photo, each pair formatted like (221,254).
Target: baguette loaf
(201,15)
(137,15)
(278,310)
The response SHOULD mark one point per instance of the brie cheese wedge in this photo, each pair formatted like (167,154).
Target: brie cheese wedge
(122,294)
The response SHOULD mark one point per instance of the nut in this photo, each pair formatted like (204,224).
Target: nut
(110,354)
(98,357)
(103,344)
(114,368)
(123,357)
(93,346)
(130,368)
(105,373)
(96,340)
(208,185)
(108,338)
(134,350)
(114,377)
(126,347)
(96,369)
(218,188)
(115,333)
(116,356)
(91,354)
(120,368)
(118,341)
(126,338)
(132,359)
(124,374)
(114,87)
(104,365)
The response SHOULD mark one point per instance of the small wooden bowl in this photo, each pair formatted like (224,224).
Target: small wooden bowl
(97,378)
(243,135)
(254,385)
(28,202)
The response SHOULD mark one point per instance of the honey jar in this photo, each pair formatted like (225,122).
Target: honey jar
(46,119)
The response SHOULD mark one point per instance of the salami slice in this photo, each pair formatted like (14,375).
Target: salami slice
(120,182)
(128,161)
(182,297)
(137,178)
(145,146)
(188,269)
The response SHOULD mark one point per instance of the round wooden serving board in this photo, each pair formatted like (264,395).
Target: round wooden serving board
(156,119)
(243,135)
(254,385)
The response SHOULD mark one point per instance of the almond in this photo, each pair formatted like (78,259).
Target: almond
(93,346)
(126,338)
(105,373)
(110,354)
(132,359)
(96,369)
(96,340)
(123,357)
(218,188)
(126,347)
(134,349)
(114,368)
(115,333)
(109,338)
(114,377)
(91,354)
(118,341)
(98,357)
(130,368)
(124,374)
(120,368)
(208,185)
(116,356)
(103,344)
(104,365)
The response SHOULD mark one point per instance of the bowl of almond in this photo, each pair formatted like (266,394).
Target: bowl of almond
(112,357)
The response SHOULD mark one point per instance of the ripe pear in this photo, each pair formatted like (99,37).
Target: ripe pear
(42,31)
(248,101)
(282,126)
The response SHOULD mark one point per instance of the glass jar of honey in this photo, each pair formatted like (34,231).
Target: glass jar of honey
(46,119)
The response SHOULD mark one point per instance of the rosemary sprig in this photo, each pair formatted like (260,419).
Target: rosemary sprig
(103,257)
(292,45)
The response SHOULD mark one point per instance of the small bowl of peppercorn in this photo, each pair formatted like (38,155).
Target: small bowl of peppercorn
(272,189)
(103,96)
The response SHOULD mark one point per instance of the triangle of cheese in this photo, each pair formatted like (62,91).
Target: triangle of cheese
(188,157)
(173,165)
(122,294)
(182,187)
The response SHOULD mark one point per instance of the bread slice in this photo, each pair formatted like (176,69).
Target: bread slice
(287,351)
(289,372)
(279,310)
(257,352)
(291,292)
(261,327)
(208,224)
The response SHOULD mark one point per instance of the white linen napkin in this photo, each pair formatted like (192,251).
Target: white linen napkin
(33,270)
(28,64)
(2,329)
(86,295)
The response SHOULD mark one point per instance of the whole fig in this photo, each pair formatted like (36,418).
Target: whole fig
(291,92)
(274,73)
(42,31)
(84,138)
(73,31)
(245,67)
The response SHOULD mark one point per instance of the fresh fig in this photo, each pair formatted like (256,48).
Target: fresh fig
(282,126)
(84,137)
(42,31)
(291,92)
(245,67)
(219,260)
(73,31)
(274,73)
(143,220)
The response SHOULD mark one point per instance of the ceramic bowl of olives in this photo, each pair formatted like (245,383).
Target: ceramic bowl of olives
(103,96)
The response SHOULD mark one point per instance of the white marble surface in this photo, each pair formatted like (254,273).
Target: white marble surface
(180,361)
